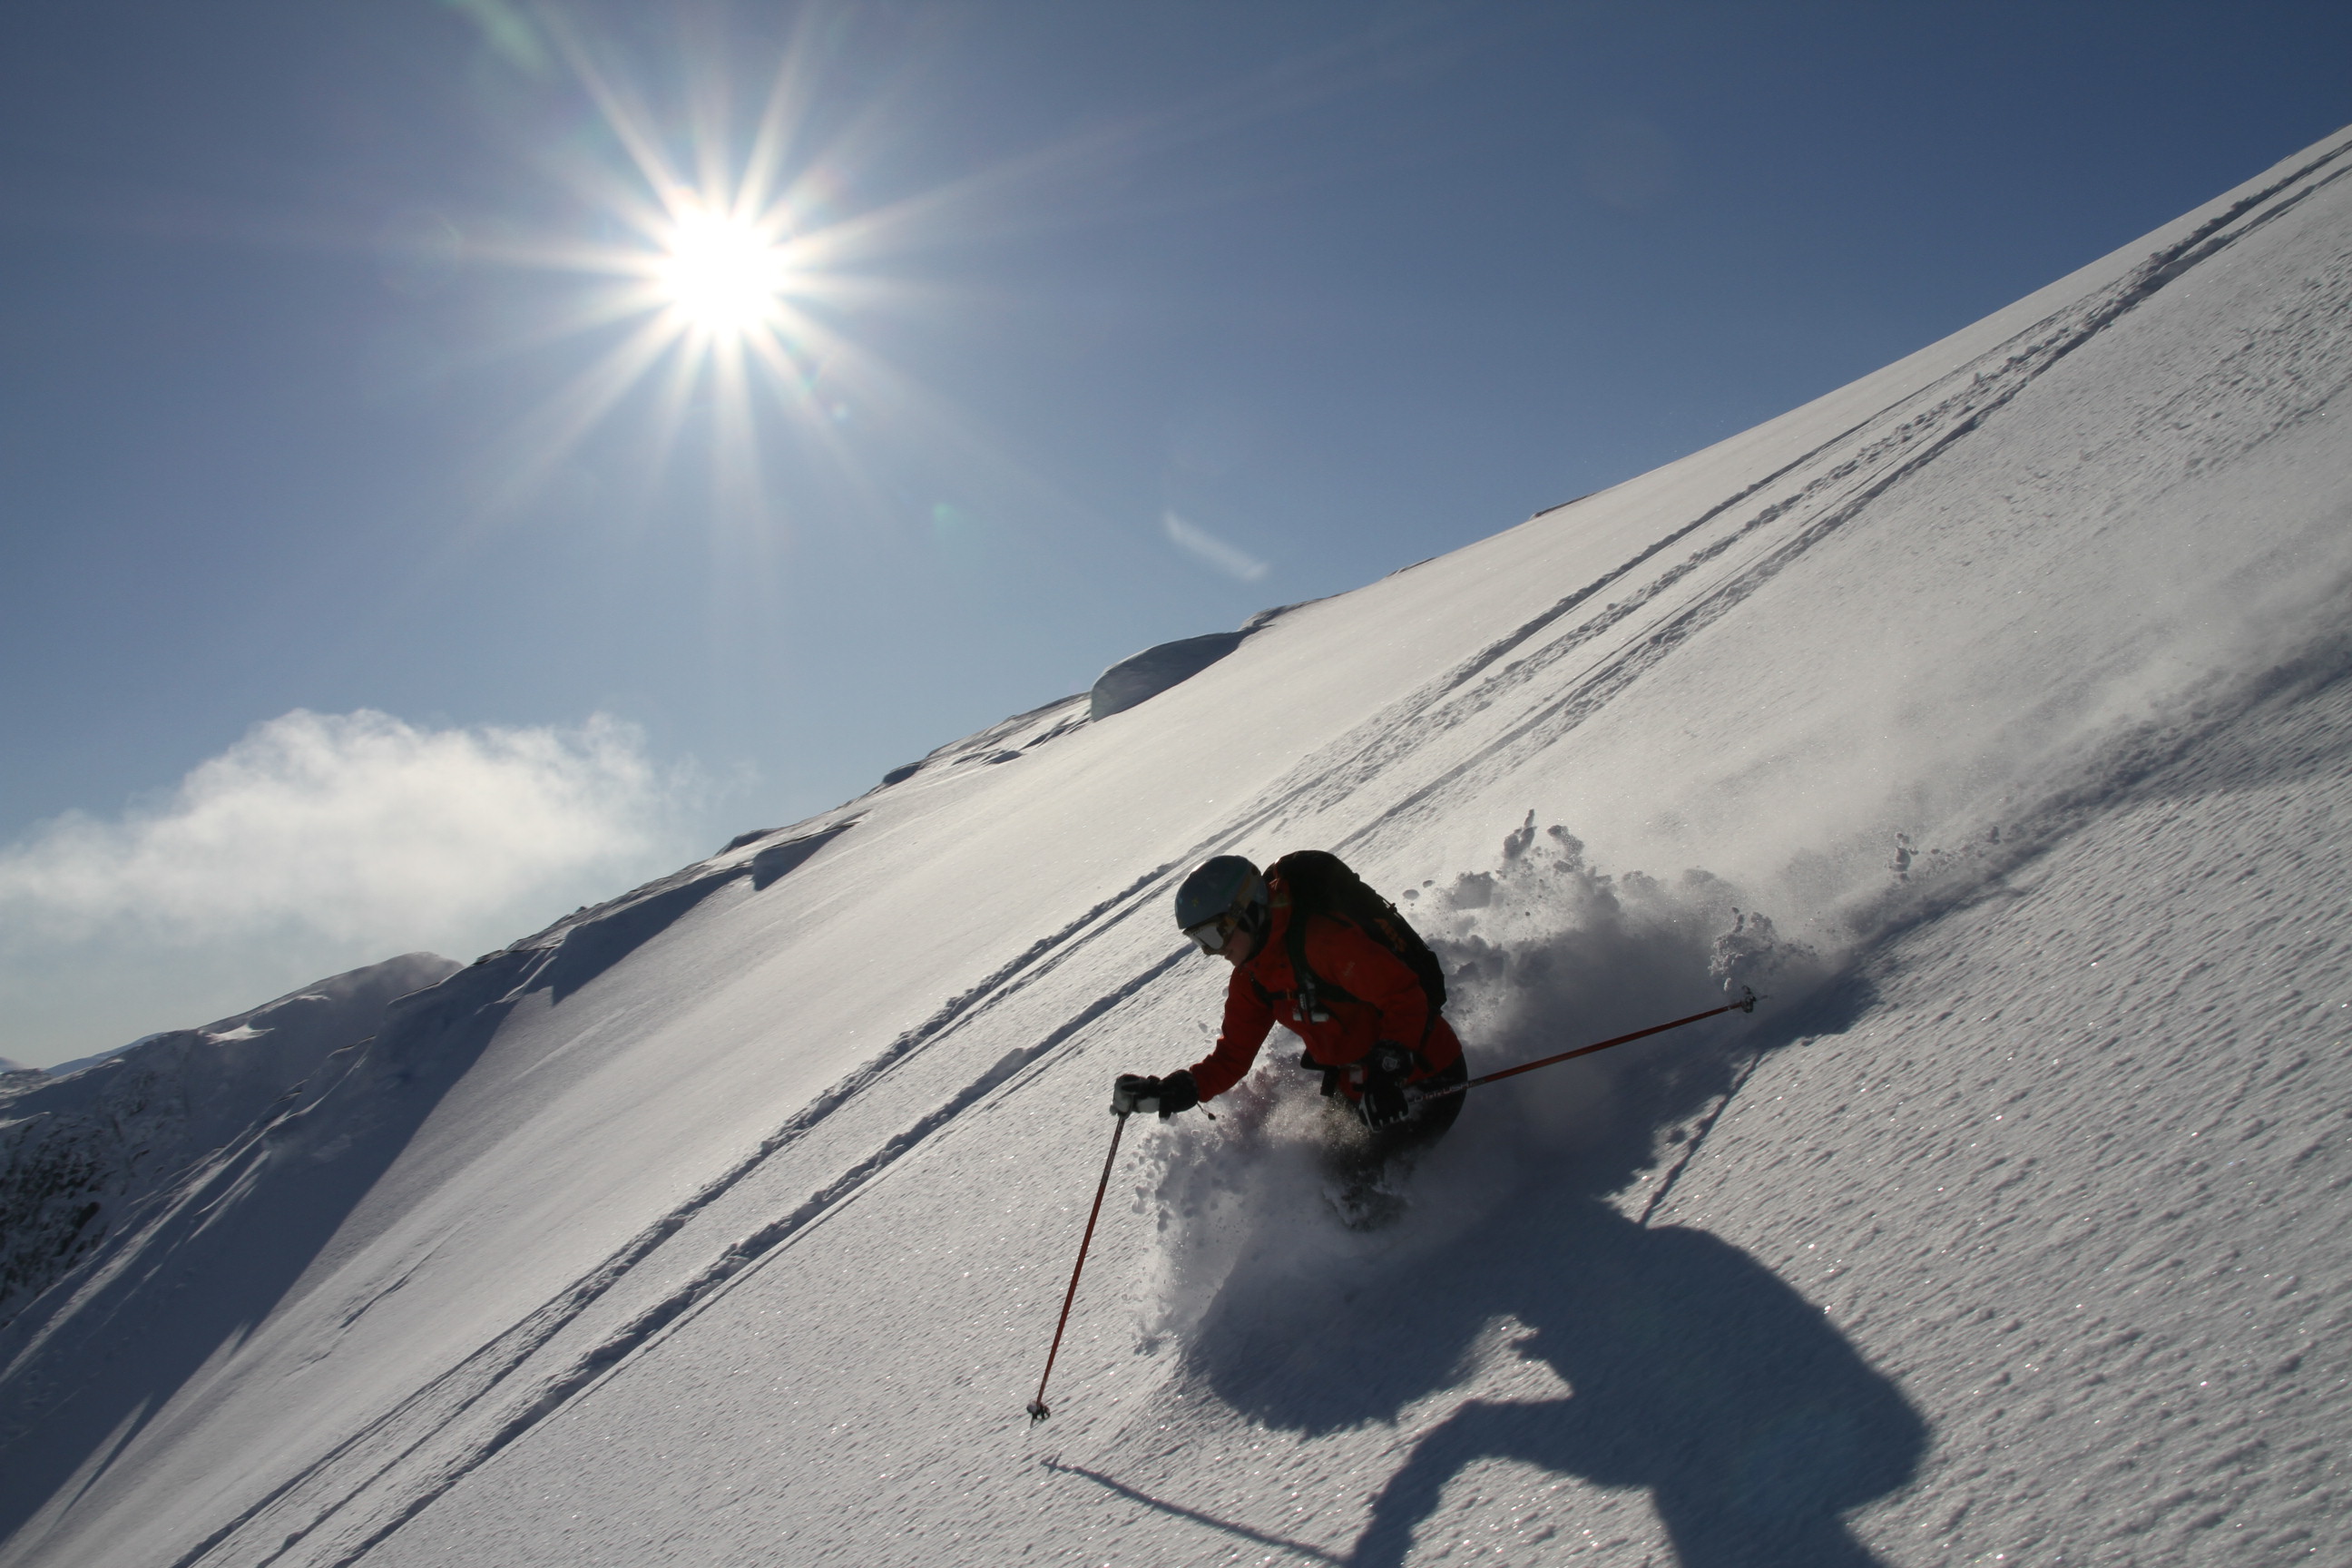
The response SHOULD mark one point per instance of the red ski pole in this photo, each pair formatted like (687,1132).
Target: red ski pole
(1745,1004)
(1037,1409)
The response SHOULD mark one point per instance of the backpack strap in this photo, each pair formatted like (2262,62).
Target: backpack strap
(1310,1006)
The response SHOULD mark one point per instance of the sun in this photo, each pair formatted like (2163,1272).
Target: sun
(724,275)
(730,266)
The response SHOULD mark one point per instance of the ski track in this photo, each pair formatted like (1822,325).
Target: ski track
(370,1484)
(450,1399)
(2016,364)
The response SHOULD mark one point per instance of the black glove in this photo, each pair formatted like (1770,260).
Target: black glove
(1384,1104)
(1168,1095)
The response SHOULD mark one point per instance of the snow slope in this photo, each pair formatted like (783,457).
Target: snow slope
(1990,714)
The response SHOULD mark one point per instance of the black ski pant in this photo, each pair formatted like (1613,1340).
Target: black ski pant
(1358,1151)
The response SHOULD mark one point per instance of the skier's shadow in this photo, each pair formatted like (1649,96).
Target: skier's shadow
(1694,1373)
(1697,1374)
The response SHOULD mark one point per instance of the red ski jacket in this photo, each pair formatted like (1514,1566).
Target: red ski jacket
(1383,1000)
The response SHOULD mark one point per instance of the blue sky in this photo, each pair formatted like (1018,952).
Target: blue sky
(1114,323)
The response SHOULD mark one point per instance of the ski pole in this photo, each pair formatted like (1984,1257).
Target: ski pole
(1747,1004)
(1037,1409)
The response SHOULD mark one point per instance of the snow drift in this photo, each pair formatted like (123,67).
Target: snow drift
(1991,713)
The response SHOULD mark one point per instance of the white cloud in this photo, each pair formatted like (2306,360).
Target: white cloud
(1202,545)
(318,843)
(353,826)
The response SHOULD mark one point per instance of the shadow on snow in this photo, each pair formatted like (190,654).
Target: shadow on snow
(92,1364)
(1696,1373)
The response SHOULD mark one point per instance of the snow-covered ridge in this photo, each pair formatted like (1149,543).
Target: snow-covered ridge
(82,1152)
(724,1222)
(1137,679)
(1140,676)
(1003,741)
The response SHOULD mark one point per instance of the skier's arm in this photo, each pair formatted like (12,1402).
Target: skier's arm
(1247,1019)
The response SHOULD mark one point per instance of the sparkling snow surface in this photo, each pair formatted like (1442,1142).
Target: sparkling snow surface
(1992,714)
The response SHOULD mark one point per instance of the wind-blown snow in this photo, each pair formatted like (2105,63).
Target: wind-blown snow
(1990,714)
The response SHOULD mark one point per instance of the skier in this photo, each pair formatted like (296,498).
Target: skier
(1367,1006)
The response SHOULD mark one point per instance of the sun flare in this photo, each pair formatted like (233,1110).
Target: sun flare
(732,263)
(722,273)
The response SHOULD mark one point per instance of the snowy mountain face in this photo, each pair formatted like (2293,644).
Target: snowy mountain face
(84,1153)
(1989,715)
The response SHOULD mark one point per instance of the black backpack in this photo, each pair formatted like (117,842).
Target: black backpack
(1320,883)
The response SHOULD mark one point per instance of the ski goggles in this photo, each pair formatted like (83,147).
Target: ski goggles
(1210,936)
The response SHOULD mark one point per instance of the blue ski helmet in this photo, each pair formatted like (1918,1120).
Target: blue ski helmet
(1225,886)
